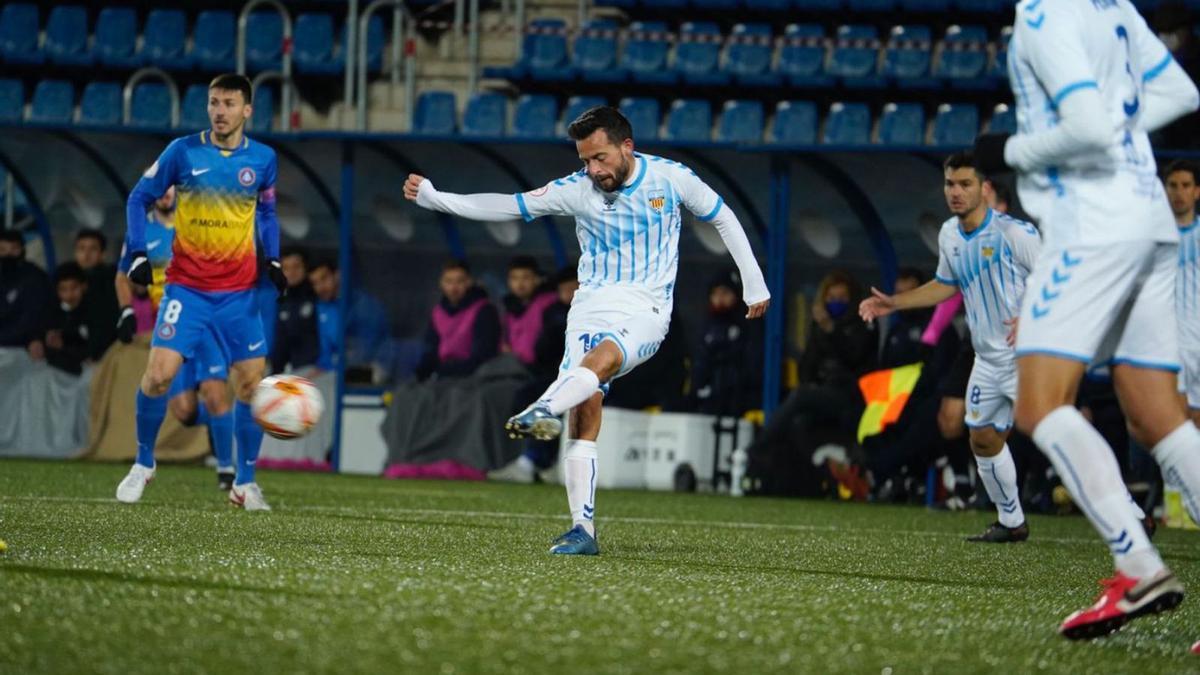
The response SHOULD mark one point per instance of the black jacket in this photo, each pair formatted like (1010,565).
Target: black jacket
(76,337)
(26,302)
(485,340)
(548,352)
(297,339)
(727,371)
(100,309)
(841,356)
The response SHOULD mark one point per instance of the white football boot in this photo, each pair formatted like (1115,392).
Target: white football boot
(249,497)
(131,487)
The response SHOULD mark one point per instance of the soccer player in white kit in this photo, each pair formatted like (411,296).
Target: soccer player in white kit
(1183,193)
(987,255)
(627,210)
(1090,81)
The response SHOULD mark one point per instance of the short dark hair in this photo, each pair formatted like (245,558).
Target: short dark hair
(69,271)
(297,251)
(93,233)
(327,263)
(456,264)
(524,262)
(1004,193)
(234,82)
(565,274)
(963,160)
(605,117)
(911,273)
(1183,165)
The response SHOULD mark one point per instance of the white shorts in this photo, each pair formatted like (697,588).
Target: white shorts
(1101,305)
(630,318)
(1189,377)
(990,395)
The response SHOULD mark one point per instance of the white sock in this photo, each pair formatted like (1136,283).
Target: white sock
(999,476)
(1179,456)
(579,465)
(1089,470)
(569,390)
(1137,510)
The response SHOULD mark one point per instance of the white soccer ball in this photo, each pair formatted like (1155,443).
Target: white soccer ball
(287,406)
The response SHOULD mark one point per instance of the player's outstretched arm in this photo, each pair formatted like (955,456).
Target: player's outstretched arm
(481,206)
(754,287)
(881,304)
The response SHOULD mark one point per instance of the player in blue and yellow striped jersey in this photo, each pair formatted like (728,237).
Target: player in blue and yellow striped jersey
(225,203)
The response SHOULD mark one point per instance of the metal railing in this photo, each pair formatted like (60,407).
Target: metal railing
(135,79)
(285,94)
(269,76)
(403,30)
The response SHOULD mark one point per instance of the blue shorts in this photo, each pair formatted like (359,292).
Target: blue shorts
(207,364)
(229,320)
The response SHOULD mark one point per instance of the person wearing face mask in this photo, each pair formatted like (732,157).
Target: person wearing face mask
(25,298)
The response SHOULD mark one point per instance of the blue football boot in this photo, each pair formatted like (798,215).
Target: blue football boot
(536,421)
(576,541)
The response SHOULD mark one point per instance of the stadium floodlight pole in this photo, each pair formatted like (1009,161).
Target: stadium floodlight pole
(362,65)
(285,96)
(350,51)
(135,79)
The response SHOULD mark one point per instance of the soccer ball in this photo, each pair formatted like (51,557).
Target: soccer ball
(287,406)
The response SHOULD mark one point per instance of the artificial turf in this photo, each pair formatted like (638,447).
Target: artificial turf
(365,575)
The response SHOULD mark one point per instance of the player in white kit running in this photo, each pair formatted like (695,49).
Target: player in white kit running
(1090,81)
(627,209)
(1183,193)
(987,255)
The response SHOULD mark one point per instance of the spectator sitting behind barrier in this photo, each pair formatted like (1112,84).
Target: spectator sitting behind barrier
(100,301)
(25,298)
(524,306)
(727,372)
(464,328)
(68,334)
(366,326)
(827,402)
(297,338)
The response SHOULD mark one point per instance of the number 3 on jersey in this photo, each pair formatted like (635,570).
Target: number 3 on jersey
(1131,107)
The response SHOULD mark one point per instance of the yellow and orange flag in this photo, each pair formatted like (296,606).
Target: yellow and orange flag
(886,392)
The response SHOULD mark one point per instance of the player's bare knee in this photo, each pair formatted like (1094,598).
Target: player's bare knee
(183,408)
(605,360)
(215,396)
(986,442)
(155,382)
(950,421)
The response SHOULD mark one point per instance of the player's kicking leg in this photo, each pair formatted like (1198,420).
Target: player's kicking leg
(161,369)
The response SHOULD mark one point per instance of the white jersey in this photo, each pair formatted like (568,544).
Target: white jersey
(1187,288)
(629,237)
(1060,47)
(989,266)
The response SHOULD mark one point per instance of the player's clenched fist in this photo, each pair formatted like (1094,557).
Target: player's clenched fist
(412,185)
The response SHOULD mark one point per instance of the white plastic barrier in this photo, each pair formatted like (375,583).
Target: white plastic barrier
(363,449)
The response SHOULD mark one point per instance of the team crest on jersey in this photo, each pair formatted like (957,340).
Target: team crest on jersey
(610,203)
(988,251)
(657,199)
(246,176)
(166,331)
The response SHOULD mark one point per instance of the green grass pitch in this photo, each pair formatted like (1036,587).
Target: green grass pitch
(365,575)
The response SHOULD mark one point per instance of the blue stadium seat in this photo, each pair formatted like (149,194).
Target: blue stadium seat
(312,45)
(999,69)
(817,5)
(795,123)
(164,40)
(375,44)
(871,5)
(12,101)
(955,125)
(928,6)
(689,120)
(151,105)
(535,116)
(645,53)
(544,51)
(53,102)
(907,57)
(19,33)
(748,57)
(741,122)
(698,54)
(964,53)
(264,41)
(643,115)
(595,55)
(576,105)
(116,37)
(848,124)
(212,41)
(264,109)
(434,113)
(855,54)
(193,110)
(1004,120)
(100,104)
(981,6)
(769,5)
(902,124)
(67,36)
(486,115)
(802,56)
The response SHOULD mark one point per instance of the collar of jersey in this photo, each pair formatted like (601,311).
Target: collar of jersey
(206,139)
(970,235)
(628,189)
(1189,228)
